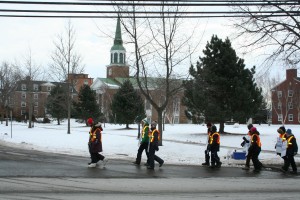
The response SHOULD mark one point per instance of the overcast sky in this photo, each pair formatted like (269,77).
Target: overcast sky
(93,42)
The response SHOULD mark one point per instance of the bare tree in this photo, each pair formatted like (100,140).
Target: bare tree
(9,75)
(66,61)
(160,47)
(31,72)
(278,31)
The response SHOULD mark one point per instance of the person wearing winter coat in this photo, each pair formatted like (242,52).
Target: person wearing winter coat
(255,149)
(95,143)
(291,151)
(144,143)
(214,147)
(206,152)
(246,145)
(154,138)
(280,140)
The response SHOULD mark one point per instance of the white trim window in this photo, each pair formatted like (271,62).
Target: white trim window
(290,105)
(23,95)
(280,117)
(35,96)
(24,87)
(290,93)
(35,87)
(36,104)
(279,106)
(23,104)
(279,94)
(291,117)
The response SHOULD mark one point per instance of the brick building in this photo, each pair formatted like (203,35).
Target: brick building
(33,94)
(117,72)
(286,100)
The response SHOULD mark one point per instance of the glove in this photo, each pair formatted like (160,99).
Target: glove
(156,148)
(245,139)
(243,143)
(295,153)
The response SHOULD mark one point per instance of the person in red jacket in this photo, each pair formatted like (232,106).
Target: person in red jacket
(95,143)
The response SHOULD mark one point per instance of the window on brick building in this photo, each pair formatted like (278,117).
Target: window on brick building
(290,104)
(35,96)
(23,95)
(36,104)
(23,86)
(280,117)
(279,106)
(23,104)
(35,87)
(279,94)
(291,117)
(290,93)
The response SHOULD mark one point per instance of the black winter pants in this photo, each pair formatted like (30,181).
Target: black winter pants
(153,157)
(143,146)
(95,157)
(254,156)
(289,160)
(214,157)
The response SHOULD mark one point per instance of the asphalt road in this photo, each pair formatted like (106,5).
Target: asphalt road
(30,174)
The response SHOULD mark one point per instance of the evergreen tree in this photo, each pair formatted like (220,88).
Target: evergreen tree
(56,103)
(127,104)
(222,88)
(87,105)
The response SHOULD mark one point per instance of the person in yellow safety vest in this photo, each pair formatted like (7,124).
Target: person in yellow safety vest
(206,152)
(281,138)
(154,137)
(214,147)
(144,143)
(255,149)
(291,151)
(95,143)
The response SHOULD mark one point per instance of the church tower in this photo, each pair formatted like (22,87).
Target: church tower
(117,67)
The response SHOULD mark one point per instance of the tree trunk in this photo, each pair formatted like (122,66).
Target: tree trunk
(222,127)
(159,123)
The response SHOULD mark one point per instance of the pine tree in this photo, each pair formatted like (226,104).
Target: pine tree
(87,105)
(56,103)
(222,88)
(127,104)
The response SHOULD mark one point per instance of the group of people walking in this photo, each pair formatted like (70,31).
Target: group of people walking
(286,146)
(150,138)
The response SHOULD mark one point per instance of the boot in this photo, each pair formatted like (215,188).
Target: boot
(246,167)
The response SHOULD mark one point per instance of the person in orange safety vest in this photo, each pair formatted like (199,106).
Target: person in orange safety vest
(214,147)
(255,149)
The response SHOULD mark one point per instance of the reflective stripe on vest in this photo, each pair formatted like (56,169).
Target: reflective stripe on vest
(144,129)
(152,135)
(282,136)
(257,141)
(289,141)
(211,138)
(93,135)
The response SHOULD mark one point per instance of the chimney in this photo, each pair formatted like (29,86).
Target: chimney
(291,74)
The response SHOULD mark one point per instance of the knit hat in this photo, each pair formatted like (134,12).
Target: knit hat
(249,126)
(90,121)
(289,131)
(145,121)
(153,124)
(253,129)
(214,129)
(281,129)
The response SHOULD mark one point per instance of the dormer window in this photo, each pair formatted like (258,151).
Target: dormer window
(23,86)
(290,93)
